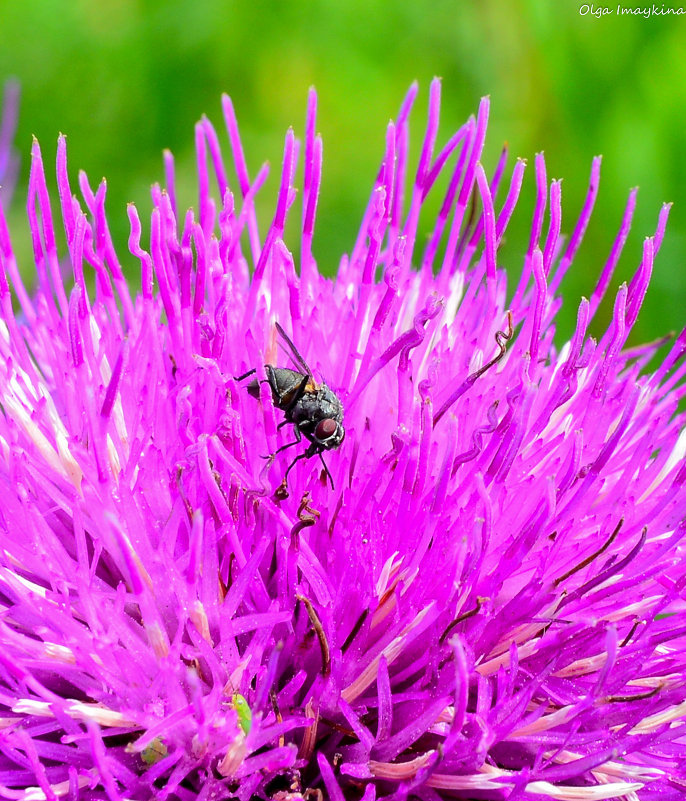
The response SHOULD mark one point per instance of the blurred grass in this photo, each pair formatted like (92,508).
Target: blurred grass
(124,79)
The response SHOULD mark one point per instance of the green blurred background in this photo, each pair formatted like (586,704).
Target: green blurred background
(124,79)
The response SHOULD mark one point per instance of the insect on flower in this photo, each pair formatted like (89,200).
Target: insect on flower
(314,410)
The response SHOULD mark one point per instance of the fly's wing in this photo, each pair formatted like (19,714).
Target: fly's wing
(293,351)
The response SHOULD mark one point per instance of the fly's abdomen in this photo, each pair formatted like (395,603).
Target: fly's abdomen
(286,385)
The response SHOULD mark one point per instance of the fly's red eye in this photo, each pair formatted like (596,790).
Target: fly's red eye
(325,428)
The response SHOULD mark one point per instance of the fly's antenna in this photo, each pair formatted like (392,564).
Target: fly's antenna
(328,472)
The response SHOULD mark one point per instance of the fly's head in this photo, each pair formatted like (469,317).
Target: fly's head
(328,434)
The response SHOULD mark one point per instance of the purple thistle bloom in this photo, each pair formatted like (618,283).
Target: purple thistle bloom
(489,603)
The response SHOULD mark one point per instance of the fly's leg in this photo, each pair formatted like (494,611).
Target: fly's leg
(245,375)
(306,455)
(281,491)
(297,439)
(303,455)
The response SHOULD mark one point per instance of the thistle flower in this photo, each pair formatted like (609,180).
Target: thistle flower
(489,602)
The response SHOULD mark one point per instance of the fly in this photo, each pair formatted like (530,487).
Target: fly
(313,410)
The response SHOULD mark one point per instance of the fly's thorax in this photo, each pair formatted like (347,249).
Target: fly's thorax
(319,416)
(320,404)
